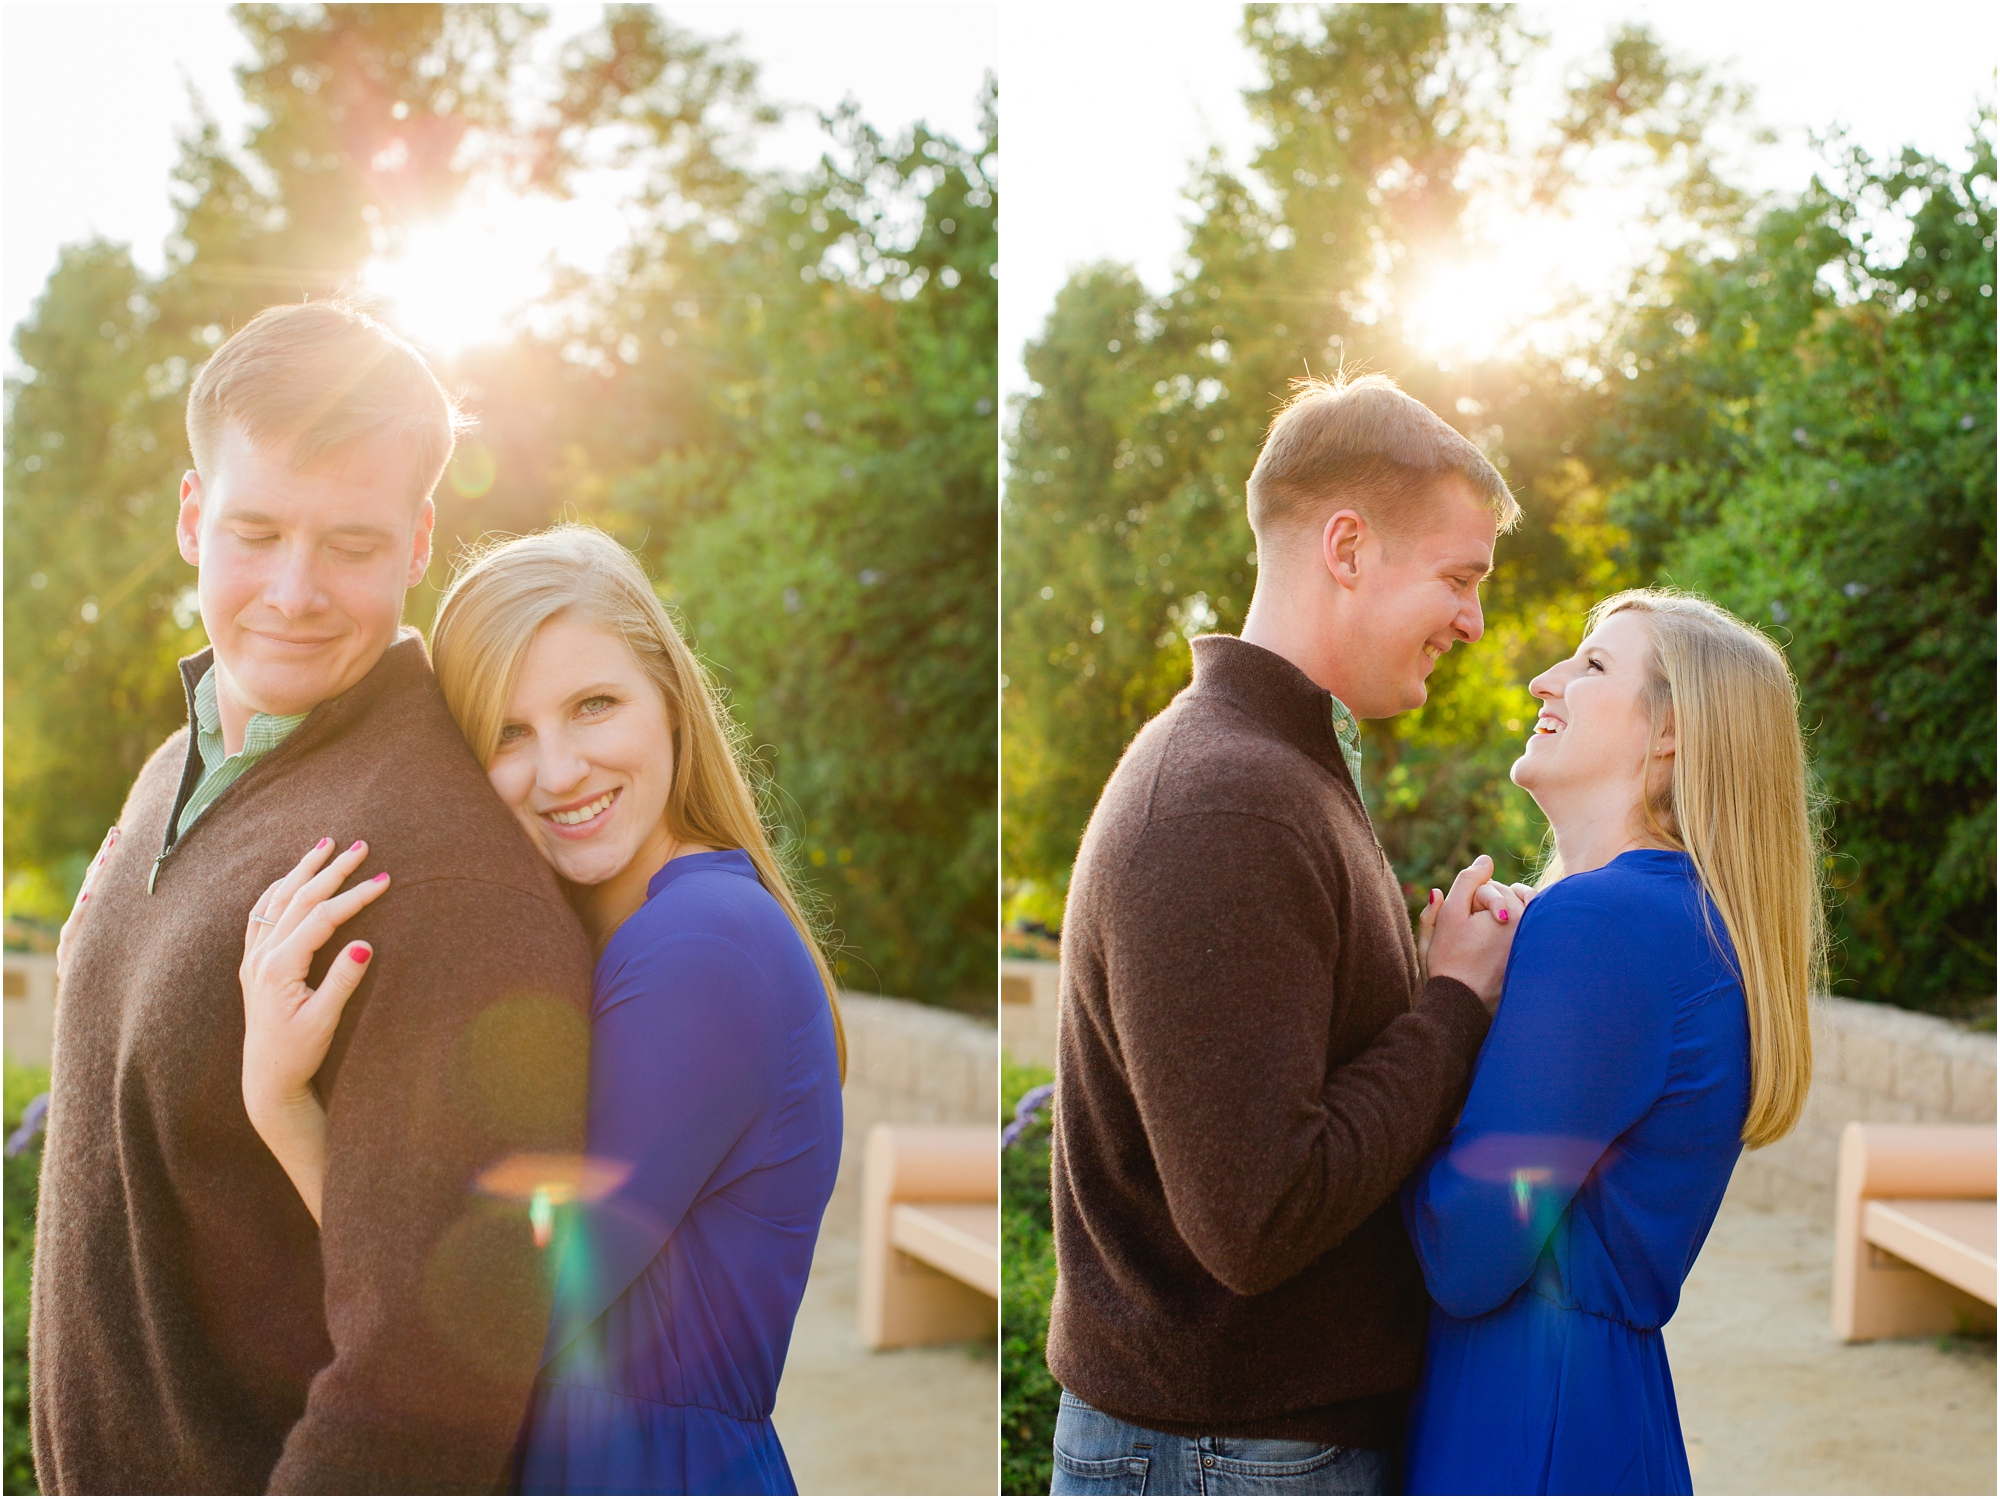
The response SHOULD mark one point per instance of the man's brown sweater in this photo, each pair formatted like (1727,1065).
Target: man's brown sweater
(1248,1069)
(192,1332)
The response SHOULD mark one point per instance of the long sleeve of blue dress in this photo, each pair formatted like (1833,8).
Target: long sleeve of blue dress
(680,1069)
(1557,1221)
(1577,1054)
(715,1092)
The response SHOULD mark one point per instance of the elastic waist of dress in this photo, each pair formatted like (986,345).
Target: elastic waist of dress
(1611,1317)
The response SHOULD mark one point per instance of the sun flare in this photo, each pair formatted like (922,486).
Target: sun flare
(1526,288)
(454,283)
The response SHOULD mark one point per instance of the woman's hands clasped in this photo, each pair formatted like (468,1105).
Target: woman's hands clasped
(287,1025)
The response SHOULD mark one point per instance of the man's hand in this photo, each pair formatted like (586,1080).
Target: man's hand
(1467,934)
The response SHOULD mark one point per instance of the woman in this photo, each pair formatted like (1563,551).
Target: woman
(1652,1024)
(716,1049)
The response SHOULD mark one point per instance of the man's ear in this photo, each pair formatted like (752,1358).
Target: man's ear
(187,526)
(420,544)
(1340,546)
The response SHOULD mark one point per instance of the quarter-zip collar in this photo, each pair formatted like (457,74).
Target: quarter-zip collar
(1276,694)
(400,665)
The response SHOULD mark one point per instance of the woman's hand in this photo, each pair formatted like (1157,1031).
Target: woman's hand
(82,899)
(1496,897)
(1504,902)
(287,1026)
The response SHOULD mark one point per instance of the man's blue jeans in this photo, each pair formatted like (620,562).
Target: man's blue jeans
(1100,1454)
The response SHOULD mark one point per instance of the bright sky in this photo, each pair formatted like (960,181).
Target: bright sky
(1104,117)
(76,164)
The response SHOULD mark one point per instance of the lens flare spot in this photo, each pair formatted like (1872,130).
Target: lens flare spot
(547,1182)
(473,470)
(1525,1181)
(520,1070)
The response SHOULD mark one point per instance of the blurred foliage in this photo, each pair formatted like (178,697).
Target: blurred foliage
(1028,1392)
(1811,442)
(17,1214)
(783,398)
(1656,446)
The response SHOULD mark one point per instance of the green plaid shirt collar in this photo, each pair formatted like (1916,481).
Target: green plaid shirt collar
(220,770)
(1347,729)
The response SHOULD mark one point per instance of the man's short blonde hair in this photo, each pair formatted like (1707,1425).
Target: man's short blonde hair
(315,377)
(1361,444)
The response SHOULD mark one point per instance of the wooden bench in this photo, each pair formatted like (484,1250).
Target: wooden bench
(930,1235)
(1913,1230)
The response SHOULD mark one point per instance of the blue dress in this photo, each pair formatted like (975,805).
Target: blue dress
(713,1075)
(1557,1221)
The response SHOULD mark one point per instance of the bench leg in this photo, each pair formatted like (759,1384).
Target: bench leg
(1890,1298)
(1876,1295)
(901,1300)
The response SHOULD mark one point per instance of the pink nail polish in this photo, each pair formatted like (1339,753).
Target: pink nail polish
(1504,918)
(359,953)
(356,846)
(381,878)
(321,844)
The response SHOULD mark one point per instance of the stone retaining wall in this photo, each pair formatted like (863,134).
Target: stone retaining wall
(1028,989)
(913,1064)
(1877,1064)
(30,1007)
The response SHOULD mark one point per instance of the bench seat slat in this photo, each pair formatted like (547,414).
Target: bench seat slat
(960,1238)
(1952,1239)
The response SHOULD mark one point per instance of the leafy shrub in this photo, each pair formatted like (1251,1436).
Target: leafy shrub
(23,1173)
(1028,1392)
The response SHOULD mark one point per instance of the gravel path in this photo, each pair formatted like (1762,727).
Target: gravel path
(905,1421)
(1772,1403)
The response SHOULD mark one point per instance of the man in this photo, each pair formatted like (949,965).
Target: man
(1251,1058)
(192,1330)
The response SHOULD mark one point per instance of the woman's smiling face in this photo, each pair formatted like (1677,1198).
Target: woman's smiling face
(586,757)
(1595,730)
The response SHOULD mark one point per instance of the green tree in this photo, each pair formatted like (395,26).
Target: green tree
(1658,447)
(832,548)
(1809,440)
(784,399)
(98,603)
(96,608)
(1124,529)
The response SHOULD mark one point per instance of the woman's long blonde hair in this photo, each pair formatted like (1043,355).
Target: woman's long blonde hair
(503,593)
(1741,805)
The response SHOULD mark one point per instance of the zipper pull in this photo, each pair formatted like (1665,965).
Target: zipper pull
(154,878)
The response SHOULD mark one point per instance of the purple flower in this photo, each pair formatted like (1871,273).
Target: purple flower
(32,1119)
(1025,1112)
